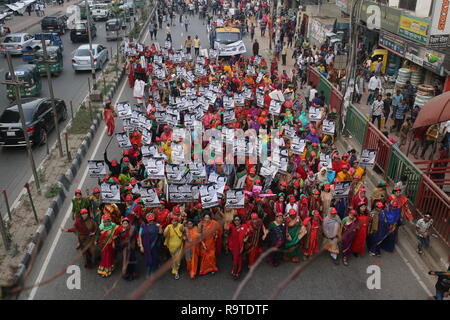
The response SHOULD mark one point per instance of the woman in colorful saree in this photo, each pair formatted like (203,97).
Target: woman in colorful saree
(174,242)
(148,240)
(208,227)
(313,226)
(277,237)
(388,221)
(256,233)
(236,237)
(292,244)
(127,243)
(349,227)
(107,232)
(192,254)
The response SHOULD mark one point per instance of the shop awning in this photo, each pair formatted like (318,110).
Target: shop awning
(435,111)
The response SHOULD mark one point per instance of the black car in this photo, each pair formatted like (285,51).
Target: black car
(54,24)
(38,118)
(80,32)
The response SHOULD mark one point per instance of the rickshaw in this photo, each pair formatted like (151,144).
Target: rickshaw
(114,29)
(55,61)
(29,74)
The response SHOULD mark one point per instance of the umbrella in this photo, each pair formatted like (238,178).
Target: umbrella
(435,111)
(276,95)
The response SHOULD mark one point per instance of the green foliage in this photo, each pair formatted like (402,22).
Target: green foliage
(53,190)
(81,122)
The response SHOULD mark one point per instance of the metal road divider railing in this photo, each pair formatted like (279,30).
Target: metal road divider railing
(423,193)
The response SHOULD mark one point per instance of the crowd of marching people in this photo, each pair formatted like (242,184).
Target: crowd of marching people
(296,210)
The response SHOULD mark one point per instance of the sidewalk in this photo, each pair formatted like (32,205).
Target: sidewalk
(23,23)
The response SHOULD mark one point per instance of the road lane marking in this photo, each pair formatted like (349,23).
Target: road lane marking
(68,212)
(411,268)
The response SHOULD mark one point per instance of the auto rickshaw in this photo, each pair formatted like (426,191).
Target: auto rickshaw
(29,74)
(55,61)
(114,29)
(378,56)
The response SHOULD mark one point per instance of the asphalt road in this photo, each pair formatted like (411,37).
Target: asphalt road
(70,86)
(401,276)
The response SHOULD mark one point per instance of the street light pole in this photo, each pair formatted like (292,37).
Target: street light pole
(88,17)
(17,84)
(52,96)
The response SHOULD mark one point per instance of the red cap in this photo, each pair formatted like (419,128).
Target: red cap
(175,218)
(292,212)
(394,203)
(126,159)
(78,191)
(353,212)
(332,210)
(129,188)
(279,214)
(327,186)
(114,163)
(344,166)
(316,213)
(177,209)
(129,198)
(316,192)
(150,217)
(126,152)
(284,184)
(397,189)
(96,190)
(291,198)
(254,216)
(83,211)
(380,204)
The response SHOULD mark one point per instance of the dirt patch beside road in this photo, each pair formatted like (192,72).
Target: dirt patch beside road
(23,225)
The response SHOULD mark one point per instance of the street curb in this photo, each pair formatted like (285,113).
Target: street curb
(65,181)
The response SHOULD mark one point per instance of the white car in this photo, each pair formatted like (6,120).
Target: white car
(82,59)
(100,11)
(14,43)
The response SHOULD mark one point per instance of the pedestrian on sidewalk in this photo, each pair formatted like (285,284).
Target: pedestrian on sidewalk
(29,10)
(430,138)
(188,44)
(387,107)
(42,9)
(168,34)
(255,48)
(419,137)
(36,8)
(400,115)
(277,50)
(252,32)
(263,26)
(404,130)
(423,230)
(284,54)
(376,110)
(151,29)
(197,46)
(186,23)
(374,83)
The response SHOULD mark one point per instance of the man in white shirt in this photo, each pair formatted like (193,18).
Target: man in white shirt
(423,230)
(312,94)
(374,82)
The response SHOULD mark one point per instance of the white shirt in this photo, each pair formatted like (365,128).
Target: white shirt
(312,94)
(377,108)
(374,83)
(423,226)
